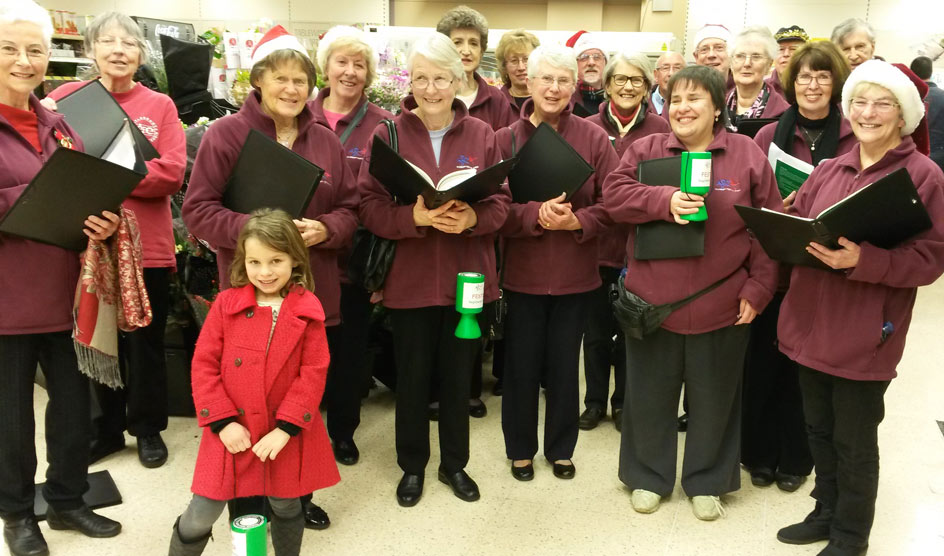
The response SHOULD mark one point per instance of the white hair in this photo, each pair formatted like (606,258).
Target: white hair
(636,59)
(123,22)
(759,34)
(554,55)
(29,12)
(439,50)
(849,26)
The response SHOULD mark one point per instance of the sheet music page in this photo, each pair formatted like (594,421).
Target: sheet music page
(121,151)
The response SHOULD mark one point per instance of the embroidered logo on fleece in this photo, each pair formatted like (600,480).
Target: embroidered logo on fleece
(466,161)
(725,184)
(64,140)
(357,152)
(147,127)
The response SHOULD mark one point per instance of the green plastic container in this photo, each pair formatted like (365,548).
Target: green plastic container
(249,535)
(696,179)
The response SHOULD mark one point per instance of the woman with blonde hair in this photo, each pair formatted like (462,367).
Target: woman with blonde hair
(511,54)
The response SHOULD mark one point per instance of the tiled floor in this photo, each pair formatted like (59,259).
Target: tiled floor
(590,514)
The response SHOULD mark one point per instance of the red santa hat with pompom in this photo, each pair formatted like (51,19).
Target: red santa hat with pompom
(276,38)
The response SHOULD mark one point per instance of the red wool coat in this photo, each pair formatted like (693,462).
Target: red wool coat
(232,375)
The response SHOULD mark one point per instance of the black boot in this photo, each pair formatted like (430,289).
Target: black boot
(178,547)
(287,534)
(22,535)
(813,528)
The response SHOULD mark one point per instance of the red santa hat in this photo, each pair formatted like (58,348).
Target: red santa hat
(582,41)
(276,38)
(897,82)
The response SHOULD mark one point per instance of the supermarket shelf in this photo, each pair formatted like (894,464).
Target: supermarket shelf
(68,60)
(61,78)
(60,36)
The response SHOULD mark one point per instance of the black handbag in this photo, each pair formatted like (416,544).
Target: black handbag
(638,318)
(372,256)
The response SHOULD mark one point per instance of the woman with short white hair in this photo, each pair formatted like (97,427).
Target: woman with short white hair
(36,307)
(754,50)
(436,133)
(550,273)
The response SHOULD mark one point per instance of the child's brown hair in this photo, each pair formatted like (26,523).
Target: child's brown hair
(275,229)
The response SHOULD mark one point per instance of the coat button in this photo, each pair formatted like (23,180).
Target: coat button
(238,362)
(205,412)
(241,411)
(249,314)
(306,417)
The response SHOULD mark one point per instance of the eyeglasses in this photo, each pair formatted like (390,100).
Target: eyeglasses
(562,82)
(807,78)
(740,58)
(880,106)
(440,83)
(594,57)
(620,80)
(672,67)
(34,52)
(515,62)
(111,43)
(708,48)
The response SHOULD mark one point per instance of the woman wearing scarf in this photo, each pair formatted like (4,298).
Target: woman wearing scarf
(774,445)
(753,52)
(626,118)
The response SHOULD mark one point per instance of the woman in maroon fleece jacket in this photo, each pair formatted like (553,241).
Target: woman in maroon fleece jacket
(37,288)
(847,329)
(436,133)
(753,52)
(550,274)
(141,407)
(701,344)
(627,79)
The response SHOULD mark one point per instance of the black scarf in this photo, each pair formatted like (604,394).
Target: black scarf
(828,143)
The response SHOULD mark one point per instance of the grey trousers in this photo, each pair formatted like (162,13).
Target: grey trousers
(198,519)
(710,365)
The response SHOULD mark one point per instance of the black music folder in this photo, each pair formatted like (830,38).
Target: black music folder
(72,185)
(547,166)
(884,213)
(267,174)
(661,239)
(404,180)
(750,126)
(97,117)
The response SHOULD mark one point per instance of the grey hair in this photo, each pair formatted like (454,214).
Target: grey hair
(464,17)
(125,23)
(636,59)
(756,33)
(439,50)
(555,55)
(851,25)
(29,12)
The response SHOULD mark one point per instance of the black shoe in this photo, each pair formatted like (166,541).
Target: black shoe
(498,388)
(789,483)
(761,476)
(316,517)
(840,548)
(103,447)
(462,485)
(590,418)
(477,408)
(564,470)
(23,536)
(683,422)
(433,412)
(523,473)
(83,520)
(152,452)
(813,528)
(409,490)
(346,452)
(618,419)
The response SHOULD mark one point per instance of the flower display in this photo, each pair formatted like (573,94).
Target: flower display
(392,82)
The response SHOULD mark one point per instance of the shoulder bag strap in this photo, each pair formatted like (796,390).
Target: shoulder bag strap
(392,134)
(355,122)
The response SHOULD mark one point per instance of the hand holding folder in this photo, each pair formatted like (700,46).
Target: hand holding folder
(884,213)
(660,239)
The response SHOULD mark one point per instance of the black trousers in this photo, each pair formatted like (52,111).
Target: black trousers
(426,349)
(842,418)
(543,333)
(141,406)
(604,346)
(711,366)
(773,430)
(348,374)
(68,429)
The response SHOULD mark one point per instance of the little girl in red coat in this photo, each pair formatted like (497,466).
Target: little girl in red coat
(258,374)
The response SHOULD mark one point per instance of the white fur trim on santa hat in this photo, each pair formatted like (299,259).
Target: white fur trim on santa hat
(712,31)
(276,38)
(341,31)
(588,41)
(888,76)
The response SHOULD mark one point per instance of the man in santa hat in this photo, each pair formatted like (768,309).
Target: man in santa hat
(591,59)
